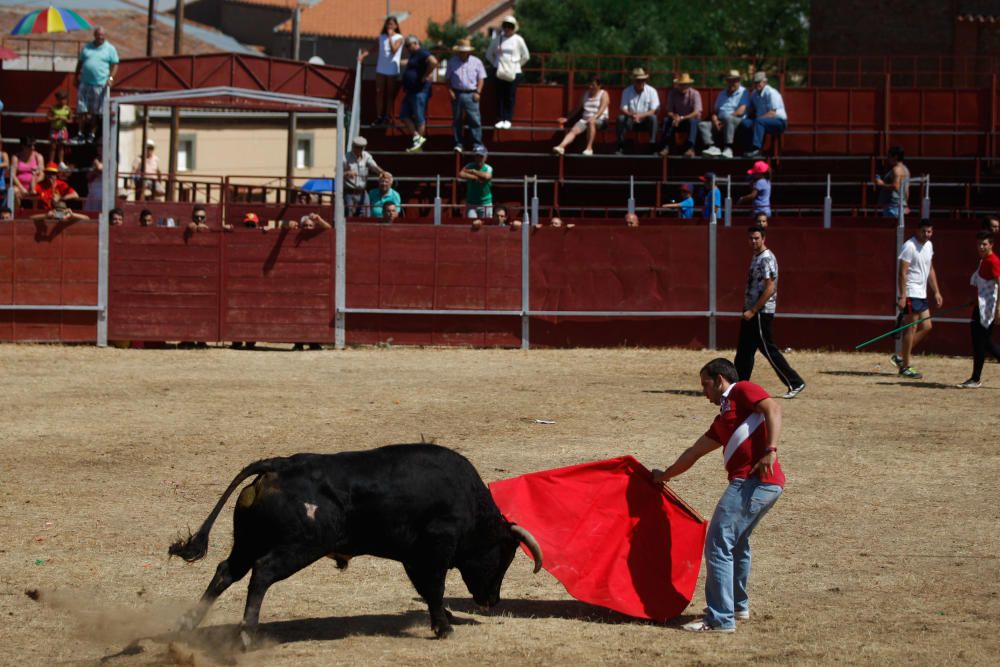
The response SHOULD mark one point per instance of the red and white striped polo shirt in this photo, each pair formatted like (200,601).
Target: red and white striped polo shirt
(742,432)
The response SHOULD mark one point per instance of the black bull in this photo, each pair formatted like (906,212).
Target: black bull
(422,505)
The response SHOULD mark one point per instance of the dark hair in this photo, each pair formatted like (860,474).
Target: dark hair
(144,212)
(594,79)
(501,207)
(199,207)
(61,95)
(987,222)
(6,210)
(982,236)
(118,211)
(385,24)
(757,228)
(27,141)
(723,367)
(896,152)
(926,222)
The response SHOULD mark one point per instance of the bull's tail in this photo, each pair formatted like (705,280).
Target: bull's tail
(196,546)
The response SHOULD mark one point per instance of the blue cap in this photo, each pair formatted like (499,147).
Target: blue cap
(480,150)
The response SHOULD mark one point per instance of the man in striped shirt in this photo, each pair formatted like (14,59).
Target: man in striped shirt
(747,428)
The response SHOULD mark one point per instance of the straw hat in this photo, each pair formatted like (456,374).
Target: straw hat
(463,46)
(683,79)
(639,74)
(733,74)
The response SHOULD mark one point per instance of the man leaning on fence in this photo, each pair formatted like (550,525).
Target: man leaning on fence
(357,164)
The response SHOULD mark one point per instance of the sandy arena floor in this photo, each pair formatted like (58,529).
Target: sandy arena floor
(883,550)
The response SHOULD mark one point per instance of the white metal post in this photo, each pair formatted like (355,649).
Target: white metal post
(827,206)
(534,200)
(437,202)
(631,194)
(525,272)
(340,224)
(109,179)
(925,205)
(713,228)
(728,210)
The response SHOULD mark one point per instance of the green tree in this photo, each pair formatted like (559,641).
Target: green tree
(443,36)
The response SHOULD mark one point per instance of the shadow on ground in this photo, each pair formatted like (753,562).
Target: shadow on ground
(549,609)
(674,392)
(857,373)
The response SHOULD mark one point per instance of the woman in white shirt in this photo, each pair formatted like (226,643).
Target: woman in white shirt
(507,53)
(593,112)
(390,45)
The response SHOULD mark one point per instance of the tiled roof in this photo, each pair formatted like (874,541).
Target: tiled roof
(349,18)
(126,29)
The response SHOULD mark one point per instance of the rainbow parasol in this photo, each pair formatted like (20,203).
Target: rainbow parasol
(51,19)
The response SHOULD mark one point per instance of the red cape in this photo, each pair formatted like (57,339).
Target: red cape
(609,535)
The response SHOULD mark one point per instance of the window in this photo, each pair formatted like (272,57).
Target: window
(303,151)
(185,152)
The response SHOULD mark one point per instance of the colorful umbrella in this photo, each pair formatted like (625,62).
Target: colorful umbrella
(52,19)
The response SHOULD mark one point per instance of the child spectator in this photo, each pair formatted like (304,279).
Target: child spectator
(711,191)
(760,188)
(60,116)
(145,218)
(685,207)
(116,217)
(478,177)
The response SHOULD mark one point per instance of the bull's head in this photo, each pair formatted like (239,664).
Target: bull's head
(483,573)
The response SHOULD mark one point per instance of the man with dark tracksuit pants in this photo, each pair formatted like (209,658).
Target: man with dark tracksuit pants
(758,315)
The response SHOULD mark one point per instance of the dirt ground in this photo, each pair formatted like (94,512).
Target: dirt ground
(884,548)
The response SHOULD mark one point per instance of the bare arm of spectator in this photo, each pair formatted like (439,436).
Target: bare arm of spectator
(114,72)
(904,268)
(933,284)
(432,64)
(317,222)
(467,174)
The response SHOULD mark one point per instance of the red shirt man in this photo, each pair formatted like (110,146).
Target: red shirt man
(50,187)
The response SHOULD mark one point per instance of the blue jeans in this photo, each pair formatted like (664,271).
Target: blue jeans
(690,126)
(727,548)
(464,104)
(415,106)
(762,126)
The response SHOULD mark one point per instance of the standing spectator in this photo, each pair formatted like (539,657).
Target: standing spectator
(747,428)
(730,107)
(684,207)
(640,103)
(146,173)
(356,167)
(417,91)
(508,53)
(51,188)
(383,194)
(760,188)
(712,199)
(894,187)
(916,274)
(26,170)
(465,76)
(683,113)
(478,177)
(593,112)
(95,188)
(759,303)
(767,113)
(95,72)
(390,48)
(986,308)
(59,117)
(199,219)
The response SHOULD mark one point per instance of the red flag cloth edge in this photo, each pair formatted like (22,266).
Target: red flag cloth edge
(610,535)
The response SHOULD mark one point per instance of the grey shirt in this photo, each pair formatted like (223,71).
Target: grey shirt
(360,166)
(762,267)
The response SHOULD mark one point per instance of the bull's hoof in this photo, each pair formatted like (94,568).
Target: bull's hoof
(246,640)
(187,622)
(443,632)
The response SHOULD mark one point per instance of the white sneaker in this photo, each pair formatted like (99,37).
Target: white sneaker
(727,152)
(458,148)
(739,614)
(970,384)
(558,150)
(498,125)
(702,626)
(588,151)
(794,391)
(712,151)
(506,125)
(418,143)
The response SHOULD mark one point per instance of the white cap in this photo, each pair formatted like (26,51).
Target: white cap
(150,142)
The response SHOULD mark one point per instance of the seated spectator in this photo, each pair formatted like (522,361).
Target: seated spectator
(638,109)
(390,212)
(593,112)
(59,212)
(686,204)
(382,194)
(51,187)
(199,219)
(555,223)
(145,218)
(766,113)
(631,220)
(760,219)
(991,224)
(683,114)
(116,217)
(478,178)
(712,194)
(147,177)
(501,216)
(26,170)
(251,220)
(313,221)
(6,214)
(730,107)
(760,188)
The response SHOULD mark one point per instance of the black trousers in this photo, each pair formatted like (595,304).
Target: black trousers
(755,334)
(982,342)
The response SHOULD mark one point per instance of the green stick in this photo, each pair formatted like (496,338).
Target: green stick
(905,326)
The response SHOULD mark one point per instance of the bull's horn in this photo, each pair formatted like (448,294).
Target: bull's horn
(531,542)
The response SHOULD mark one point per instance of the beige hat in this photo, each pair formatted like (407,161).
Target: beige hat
(511,20)
(639,74)
(360,142)
(463,46)
(684,78)
(733,74)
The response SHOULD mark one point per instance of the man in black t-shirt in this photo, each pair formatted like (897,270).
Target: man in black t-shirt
(416,90)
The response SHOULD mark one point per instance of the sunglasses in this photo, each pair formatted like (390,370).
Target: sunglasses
(198,218)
